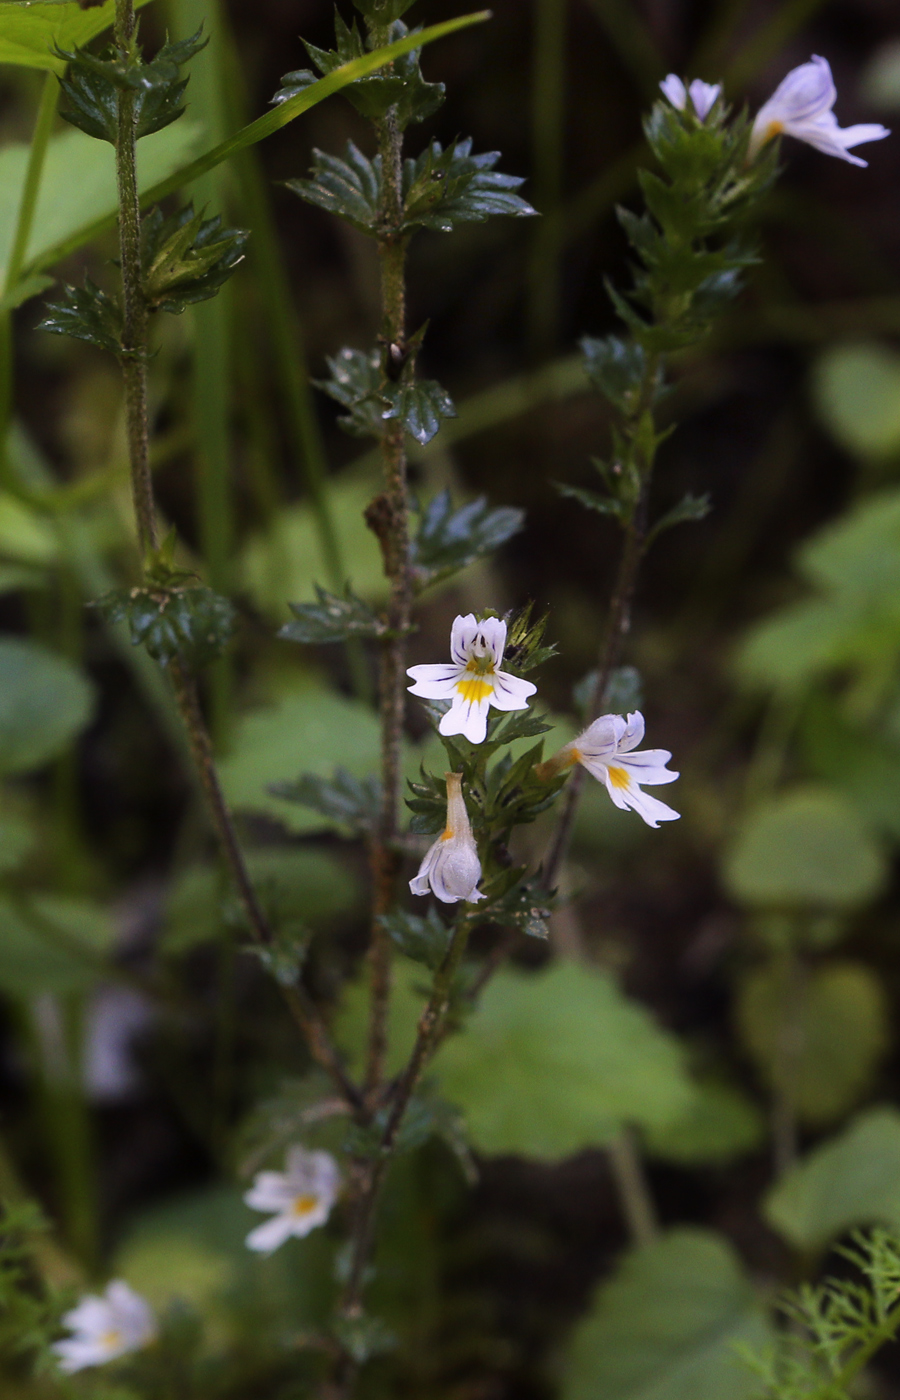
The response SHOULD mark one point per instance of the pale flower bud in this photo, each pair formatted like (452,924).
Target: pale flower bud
(451,868)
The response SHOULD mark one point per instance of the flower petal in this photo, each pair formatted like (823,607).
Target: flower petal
(651,809)
(703,96)
(493,631)
(602,737)
(511,692)
(673,88)
(270,1191)
(462,635)
(468,717)
(434,682)
(271,1234)
(633,732)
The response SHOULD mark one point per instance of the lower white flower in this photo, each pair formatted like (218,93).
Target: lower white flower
(801,107)
(702,95)
(605,749)
(105,1328)
(300,1198)
(451,868)
(473,680)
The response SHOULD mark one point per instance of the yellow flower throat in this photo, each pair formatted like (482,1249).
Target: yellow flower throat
(473,686)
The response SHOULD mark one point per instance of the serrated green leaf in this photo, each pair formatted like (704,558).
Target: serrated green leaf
(604,505)
(443,187)
(90,85)
(849,1180)
(356,383)
(805,849)
(421,406)
(669,1325)
(188,622)
(617,368)
(86,313)
(187,258)
(349,188)
(524,907)
(570,1060)
(448,540)
(354,802)
(689,508)
(424,940)
(331,619)
(30,34)
(45,702)
(840,1030)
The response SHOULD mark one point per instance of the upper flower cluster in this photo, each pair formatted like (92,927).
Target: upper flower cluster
(801,106)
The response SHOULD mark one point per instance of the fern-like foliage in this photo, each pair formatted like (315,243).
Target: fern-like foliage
(834,1328)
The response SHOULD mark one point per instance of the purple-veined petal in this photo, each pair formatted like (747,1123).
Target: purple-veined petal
(468,717)
(511,692)
(462,635)
(493,631)
(434,682)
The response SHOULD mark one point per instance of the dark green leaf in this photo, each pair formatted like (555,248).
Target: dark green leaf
(284,957)
(446,187)
(86,313)
(604,505)
(689,508)
(617,368)
(350,188)
(425,940)
(331,619)
(420,405)
(354,801)
(524,638)
(191,623)
(382,11)
(403,88)
(449,540)
(355,383)
(525,908)
(187,258)
(91,84)
(45,703)
(428,804)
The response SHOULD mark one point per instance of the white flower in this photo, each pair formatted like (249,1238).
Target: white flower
(473,680)
(801,106)
(605,750)
(702,95)
(105,1328)
(451,867)
(300,1197)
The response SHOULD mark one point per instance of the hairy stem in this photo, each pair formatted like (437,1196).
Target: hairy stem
(388,516)
(618,623)
(134,368)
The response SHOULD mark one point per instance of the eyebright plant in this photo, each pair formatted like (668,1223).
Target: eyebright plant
(691,250)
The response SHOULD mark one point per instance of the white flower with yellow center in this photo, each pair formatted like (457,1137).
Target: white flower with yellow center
(702,95)
(801,107)
(300,1198)
(105,1328)
(606,750)
(473,680)
(451,868)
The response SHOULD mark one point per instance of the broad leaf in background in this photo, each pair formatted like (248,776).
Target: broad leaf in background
(17,840)
(79,183)
(852,1179)
(52,944)
(296,886)
(872,780)
(856,389)
(840,1026)
(720,1125)
(31,34)
(807,849)
(853,620)
(556,1061)
(26,536)
(411,986)
(285,560)
(45,702)
(668,1326)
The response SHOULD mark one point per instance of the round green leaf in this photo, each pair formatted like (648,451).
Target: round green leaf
(839,1023)
(669,1325)
(857,395)
(851,1180)
(720,1125)
(557,1061)
(55,945)
(44,702)
(806,849)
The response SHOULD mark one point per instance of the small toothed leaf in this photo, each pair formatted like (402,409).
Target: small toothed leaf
(355,383)
(420,405)
(446,187)
(689,508)
(187,258)
(189,623)
(425,940)
(449,540)
(604,505)
(331,619)
(350,188)
(356,802)
(86,313)
(91,83)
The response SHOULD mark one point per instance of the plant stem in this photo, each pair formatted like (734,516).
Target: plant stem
(134,361)
(134,309)
(633,1191)
(428,1036)
(618,623)
(388,517)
